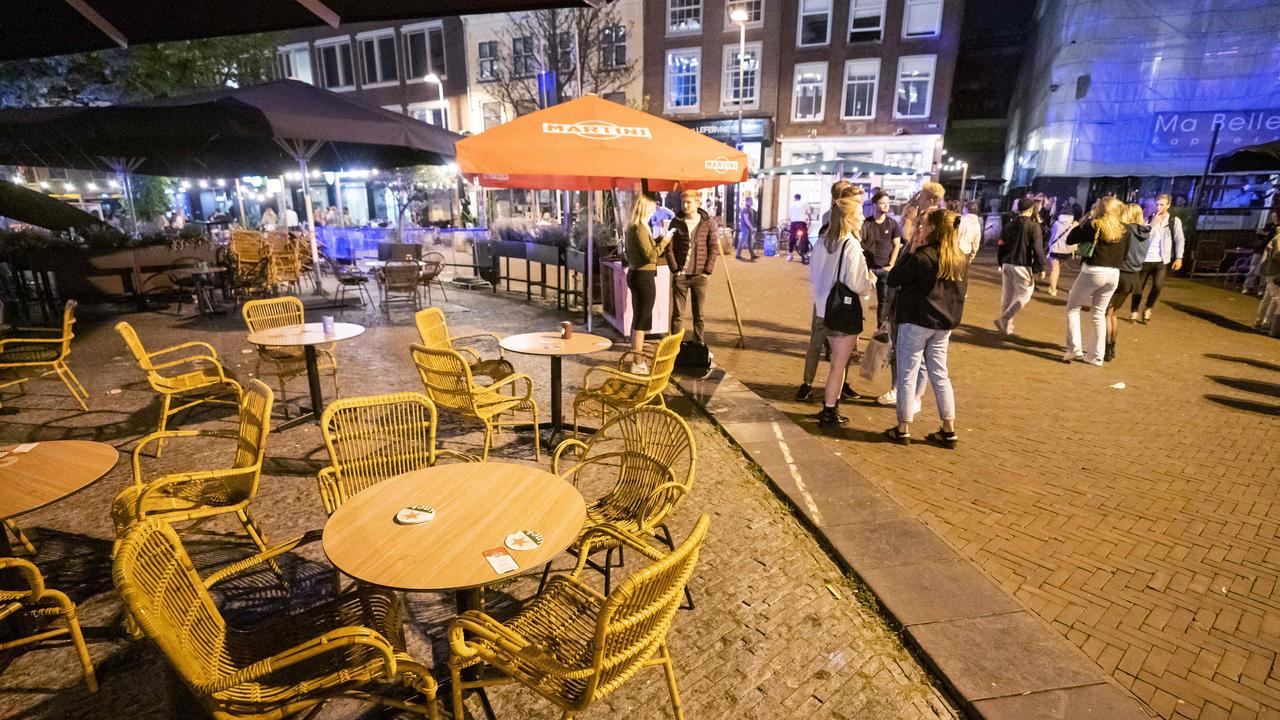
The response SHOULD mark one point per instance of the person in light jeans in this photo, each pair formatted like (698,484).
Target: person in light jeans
(1269,306)
(1020,255)
(1097,281)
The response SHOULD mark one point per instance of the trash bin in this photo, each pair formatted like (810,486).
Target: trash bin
(770,243)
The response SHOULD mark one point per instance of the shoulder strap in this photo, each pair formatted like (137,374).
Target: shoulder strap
(840,259)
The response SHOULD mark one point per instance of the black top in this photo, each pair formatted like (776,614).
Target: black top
(703,241)
(1022,243)
(1105,254)
(877,240)
(922,298)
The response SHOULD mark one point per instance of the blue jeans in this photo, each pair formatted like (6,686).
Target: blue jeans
(920,346)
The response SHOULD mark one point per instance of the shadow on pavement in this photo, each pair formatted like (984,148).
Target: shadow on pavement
(1221,321)
(1260,364)
(1248,405)
(1254,386)
(983,337)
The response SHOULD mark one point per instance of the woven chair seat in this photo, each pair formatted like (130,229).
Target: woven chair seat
(205,376)
(179,498)
(31,353)
(494,369)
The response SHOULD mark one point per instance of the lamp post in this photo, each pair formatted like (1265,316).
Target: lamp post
(739,16)
(964,178)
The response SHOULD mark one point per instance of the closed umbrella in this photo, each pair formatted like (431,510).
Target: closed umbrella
(34,208)
(1252,158)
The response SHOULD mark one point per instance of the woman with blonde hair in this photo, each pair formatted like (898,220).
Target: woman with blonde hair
(1139,239)
(1103,241)
(836,259)
(642,255)
(931,288)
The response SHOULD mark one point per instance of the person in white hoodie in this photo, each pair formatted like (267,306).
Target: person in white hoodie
(839,258)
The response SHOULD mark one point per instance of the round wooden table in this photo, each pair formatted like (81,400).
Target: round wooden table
(47,473)
(552,345)
(306,336)
(477,505)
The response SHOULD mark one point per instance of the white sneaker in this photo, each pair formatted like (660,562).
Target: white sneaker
(889,398)
(640,368)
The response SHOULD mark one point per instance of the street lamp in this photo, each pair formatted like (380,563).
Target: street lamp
(740,16)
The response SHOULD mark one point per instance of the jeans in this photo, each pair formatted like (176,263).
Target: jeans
(746,240)
(817,337)
(1269,305)
(920,346)
(1155,271)
(882,295)
(682,287)
(1016,288)
(1093,287)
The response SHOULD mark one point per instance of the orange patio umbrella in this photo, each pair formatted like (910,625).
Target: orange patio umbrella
(593,144)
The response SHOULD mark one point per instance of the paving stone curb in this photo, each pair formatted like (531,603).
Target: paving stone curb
(996,659)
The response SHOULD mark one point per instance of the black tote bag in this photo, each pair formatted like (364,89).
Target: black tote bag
(844,308)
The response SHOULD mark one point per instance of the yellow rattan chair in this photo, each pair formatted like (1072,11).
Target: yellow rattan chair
(350,647)
(286,363)
(45,355)
(572,645)
(39,603)
(450,385)
(188,374)
(434,332)
(374,438)
(618,390)
(200,494)
(646,457)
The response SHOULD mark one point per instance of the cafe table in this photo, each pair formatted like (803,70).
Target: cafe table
(202,278)
(306,336)
(34,475)
(552,345)
(475,507)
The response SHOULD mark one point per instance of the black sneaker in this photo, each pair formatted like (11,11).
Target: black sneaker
(831,416)
(804,393)
(945,439)
(848,393)
(1110,353)
(896,436)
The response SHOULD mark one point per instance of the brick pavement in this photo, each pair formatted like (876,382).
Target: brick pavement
(778,631)
(1139,522)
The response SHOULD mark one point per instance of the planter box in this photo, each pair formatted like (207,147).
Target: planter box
(507,249)
(545,254)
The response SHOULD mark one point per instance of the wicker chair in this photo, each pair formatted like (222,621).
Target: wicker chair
(620,390)
(347,277)
(183,496)
(374,438)
(189,379)
(572,645)
(38,602)
(434,332)
(352,646)
(399,283)
(286,363)
(429,271)
(46,353)
(450,385)
(647,456)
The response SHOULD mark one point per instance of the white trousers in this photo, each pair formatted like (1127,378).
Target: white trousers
(1093,287)
(1016,288)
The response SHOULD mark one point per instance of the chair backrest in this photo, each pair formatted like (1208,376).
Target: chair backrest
(271,313)
(377,437)
(645,450)
(68,320)
(432,265)
(664,362)
(397,251)
(162,592)
(446,378)
(255,424)
(247,245)
(637,616)
(432,328)
(134,343)
(400,276)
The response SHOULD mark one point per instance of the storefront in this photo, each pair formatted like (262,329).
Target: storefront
(757,143)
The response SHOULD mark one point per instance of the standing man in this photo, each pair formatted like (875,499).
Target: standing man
(1166,246)
(692,257)
(1074,208)
(798,230)
(746,230)
(881,241)
(1020,256)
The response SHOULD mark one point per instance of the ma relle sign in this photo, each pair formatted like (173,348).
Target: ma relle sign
(596,130)
(1190,133)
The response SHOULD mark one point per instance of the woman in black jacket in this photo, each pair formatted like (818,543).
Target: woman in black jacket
(1106,244)
(931,288)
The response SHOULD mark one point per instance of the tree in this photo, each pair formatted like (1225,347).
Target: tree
(563,40)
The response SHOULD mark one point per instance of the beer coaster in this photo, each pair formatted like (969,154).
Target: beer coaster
(524,540)
(416,515)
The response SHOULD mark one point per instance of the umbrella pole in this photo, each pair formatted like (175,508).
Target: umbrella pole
(590,260)
(733,300)
(311,227)
(244,223)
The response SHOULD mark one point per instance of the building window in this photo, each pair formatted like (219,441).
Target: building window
(424,51)
(922,18)
(618,97)
(754,8)
(564,42)
(378,53)
(915,86)
(861,77)
(913,160)
(336,69)
(492,113)
(741,88)
(523,60)
(488,65)
(809,94)
(430,113)
(866,20)
(295,63)
(815,23)
(684,73)
(613,46)
(684,16)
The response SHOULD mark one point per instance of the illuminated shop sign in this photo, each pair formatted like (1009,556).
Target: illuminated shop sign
(1190,133)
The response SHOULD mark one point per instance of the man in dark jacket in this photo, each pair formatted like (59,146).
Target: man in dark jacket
(1020,255)
(691,257)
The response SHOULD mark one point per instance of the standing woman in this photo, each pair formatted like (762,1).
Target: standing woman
(1138,240)
(1103,238)
(839,258)
(642,272)
(1164,254)
(930,300)
(1059,250)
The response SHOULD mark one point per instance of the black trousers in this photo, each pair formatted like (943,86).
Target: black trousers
(1155,272)
(644,290)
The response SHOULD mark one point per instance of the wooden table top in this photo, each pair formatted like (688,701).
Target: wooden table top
(211,270)
(550,343)
(49,472)
(308,334)
(477,505)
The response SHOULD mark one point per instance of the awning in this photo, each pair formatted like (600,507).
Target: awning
(847,167)
(594,144)
(39,28)
(1251,158)
(33,208)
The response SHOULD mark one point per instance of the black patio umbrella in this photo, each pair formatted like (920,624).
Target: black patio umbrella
(33,208)
(39,28)
(1251,158)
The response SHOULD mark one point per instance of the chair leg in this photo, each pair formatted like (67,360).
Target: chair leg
(82,652)
(165,403)
(669,669)
(62,371)
(442,290)
(546,573)
(488,439)
(459,710)
(21,537)
(83,393)
(664,536)
(537,437)
(258,539)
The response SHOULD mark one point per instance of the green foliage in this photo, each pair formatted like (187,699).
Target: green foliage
(150,196)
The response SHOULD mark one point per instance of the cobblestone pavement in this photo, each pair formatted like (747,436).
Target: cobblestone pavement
(778,631)
(1133,507)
